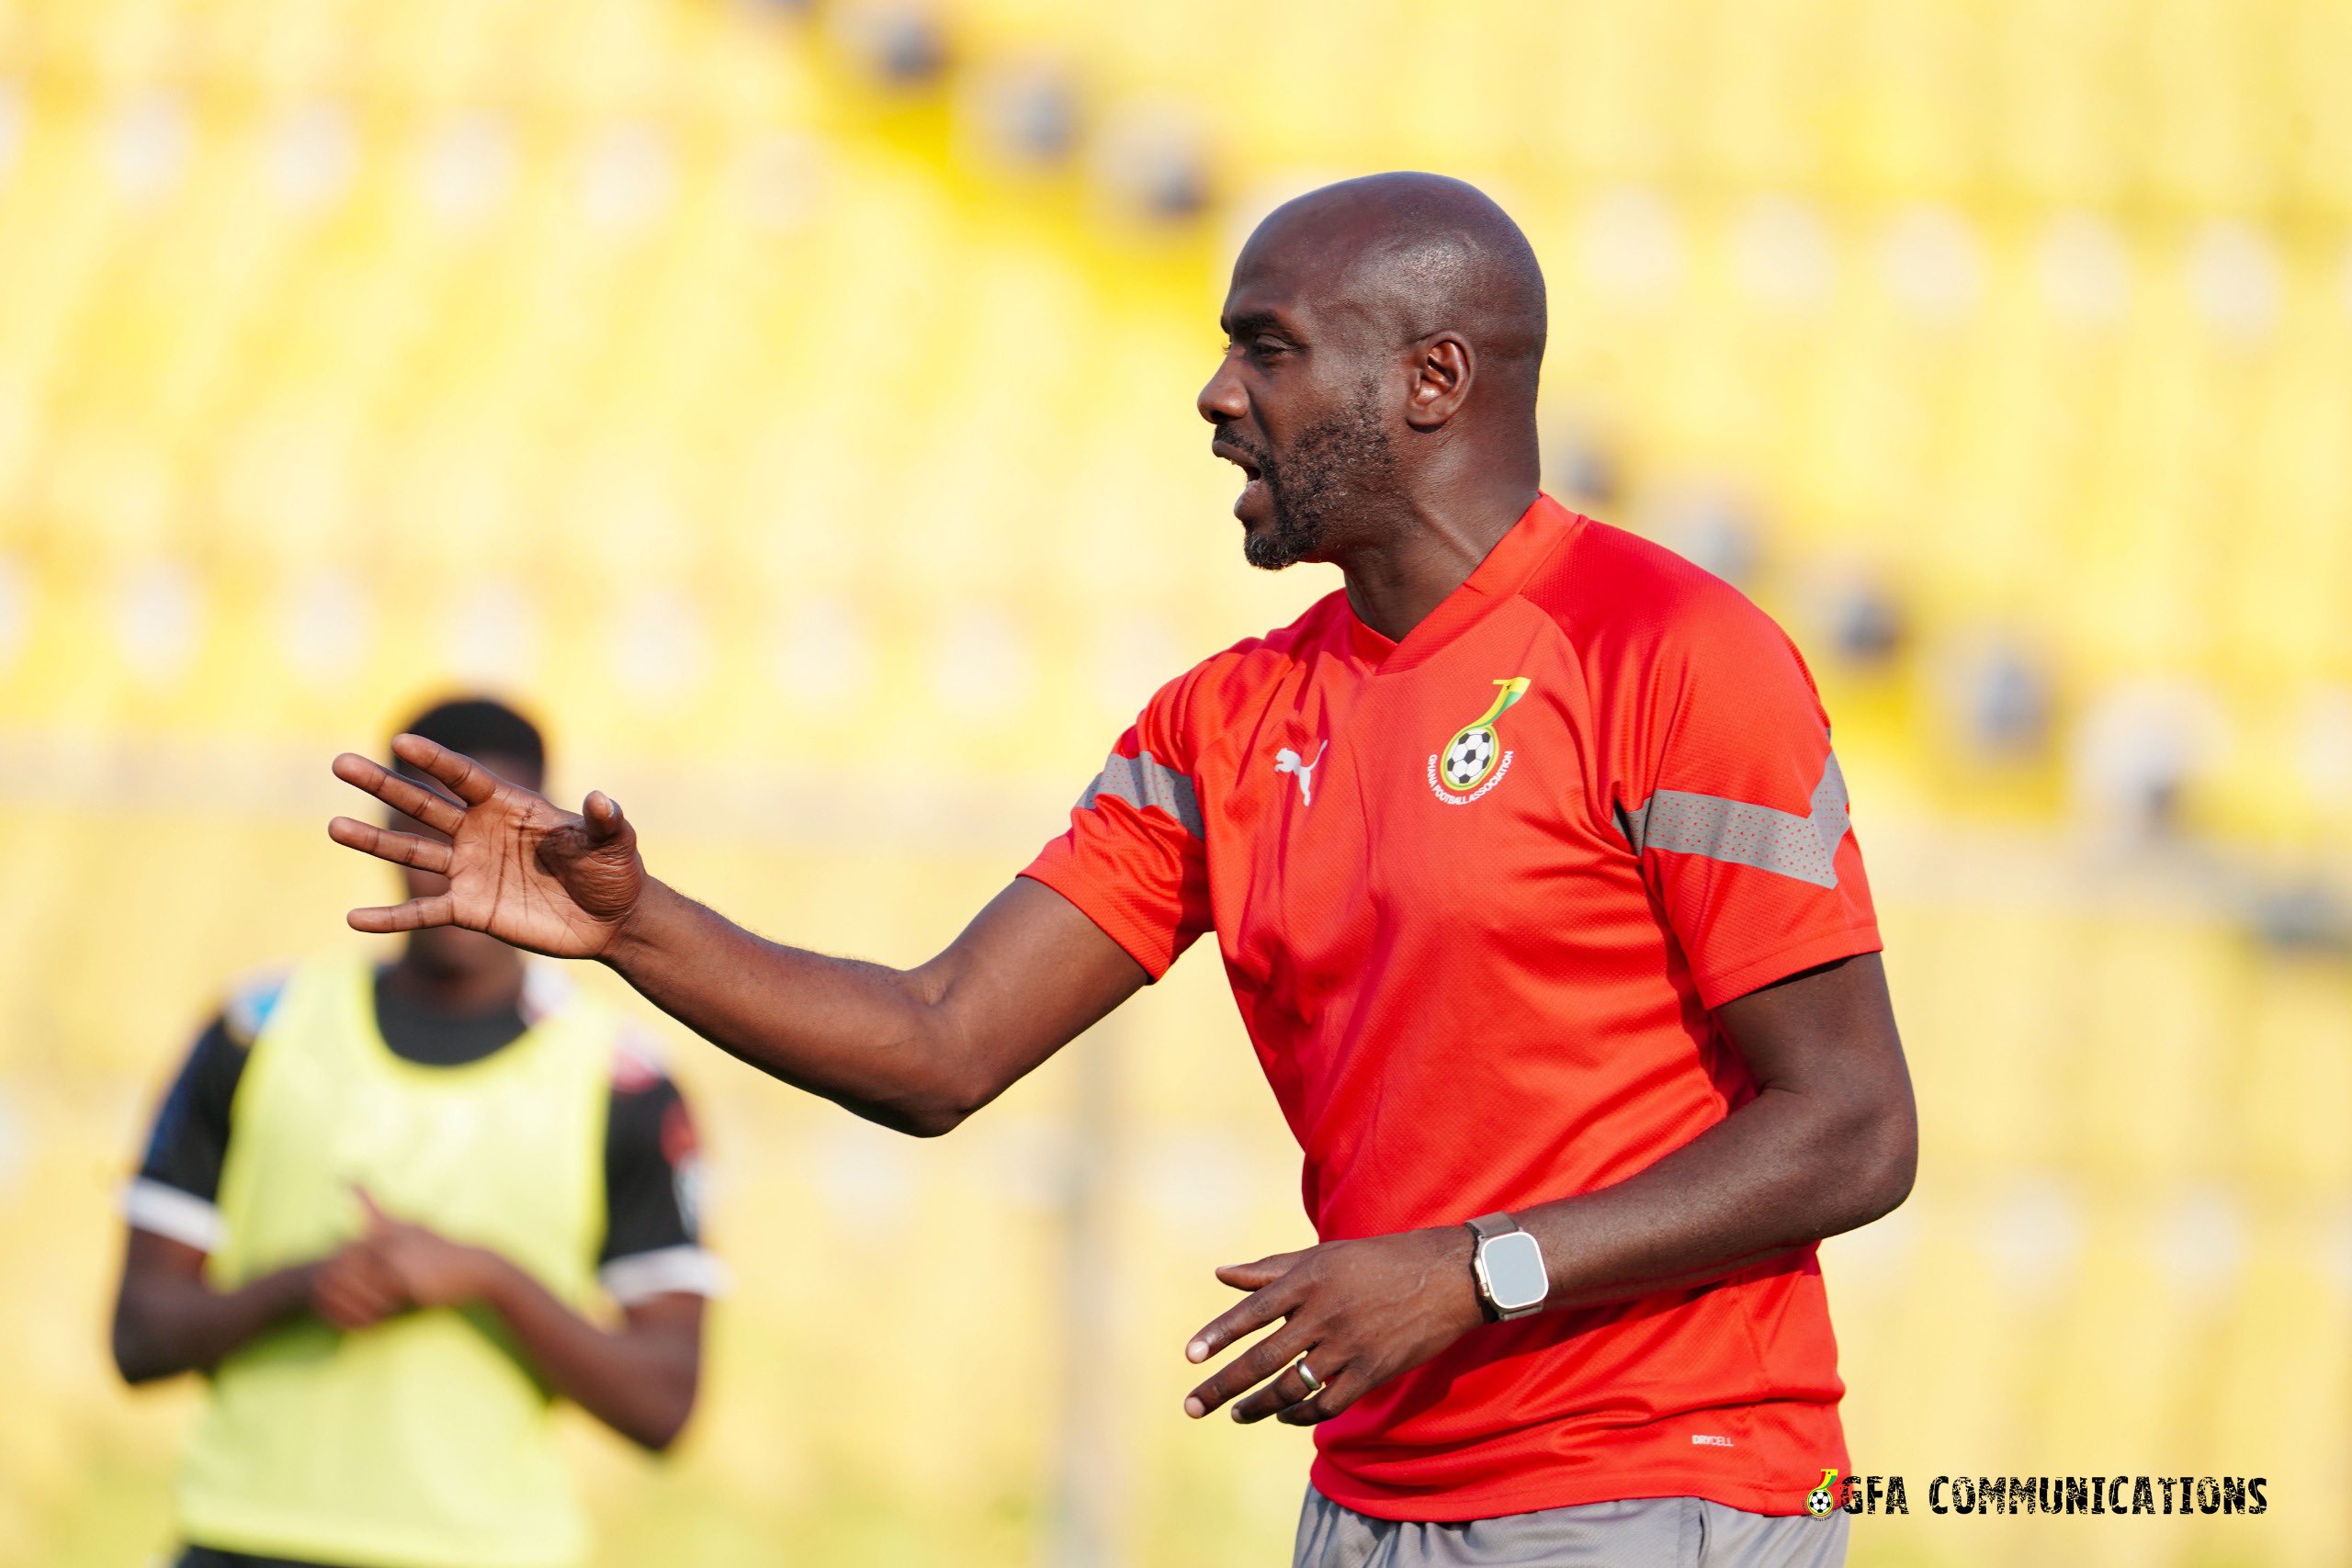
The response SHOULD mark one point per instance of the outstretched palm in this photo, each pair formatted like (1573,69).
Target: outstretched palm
(518,868)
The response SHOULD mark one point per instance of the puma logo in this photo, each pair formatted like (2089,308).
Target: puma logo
(1287,762)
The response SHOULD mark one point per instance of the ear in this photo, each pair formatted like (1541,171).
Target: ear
(1444,367)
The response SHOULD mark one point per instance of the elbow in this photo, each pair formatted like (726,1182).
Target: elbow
(1895,1175)
(926,1126)
(660,1428)
(952,1104)
(1859,1166)
(934,1090)
(659,1438)
(929,1116)
(136,1361)
(935,1086)
(1878,1163)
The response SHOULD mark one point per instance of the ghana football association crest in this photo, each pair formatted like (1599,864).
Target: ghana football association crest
(1474,761)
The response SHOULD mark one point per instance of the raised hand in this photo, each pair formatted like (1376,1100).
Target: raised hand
(516,866)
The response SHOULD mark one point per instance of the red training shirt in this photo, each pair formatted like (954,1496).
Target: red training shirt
(1477,892)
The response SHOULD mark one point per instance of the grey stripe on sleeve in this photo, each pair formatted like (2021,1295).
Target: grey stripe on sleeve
(1145,781)
(1741,834)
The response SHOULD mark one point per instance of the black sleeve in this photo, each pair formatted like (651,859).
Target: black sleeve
(652,1170)
(191,1134)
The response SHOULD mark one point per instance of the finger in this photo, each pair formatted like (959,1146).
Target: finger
(375,1275)
(1279,1395)
(1253,1366)
(1335,1396)
(606,822)
(1265,1272)
(349,1299)
(1246,1315)
(400,849)
(377,1218)
(436,812)
(334,1303)
(416,914)
(372,1304)
(473,782)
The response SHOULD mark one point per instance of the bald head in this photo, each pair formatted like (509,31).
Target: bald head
(1384,340)
(1418,254)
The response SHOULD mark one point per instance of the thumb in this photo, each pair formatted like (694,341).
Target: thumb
(377,1218)
(606,822)
(1259,1275)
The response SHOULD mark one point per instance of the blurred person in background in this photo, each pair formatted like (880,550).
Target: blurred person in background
(375,1211)
(1529,863)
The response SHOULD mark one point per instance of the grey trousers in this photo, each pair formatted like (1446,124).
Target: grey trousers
(1648,1533)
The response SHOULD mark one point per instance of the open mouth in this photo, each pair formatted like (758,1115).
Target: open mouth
(1235,455)
(1254,486)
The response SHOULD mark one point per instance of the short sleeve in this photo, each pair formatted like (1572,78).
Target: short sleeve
(1739,812)
(1134,860)
(653,1182)
(177,1190)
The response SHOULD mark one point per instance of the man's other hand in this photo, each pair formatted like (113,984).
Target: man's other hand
(427,1268)
(1357,1312)
(517,867)
(352,1290)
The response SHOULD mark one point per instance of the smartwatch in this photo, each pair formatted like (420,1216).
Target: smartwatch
(1509,1267)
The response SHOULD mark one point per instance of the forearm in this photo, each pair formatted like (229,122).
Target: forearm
(864,1035)
(166,1323)
(1829,1142)
(639,1382)
(916,1049)
(1780,1173)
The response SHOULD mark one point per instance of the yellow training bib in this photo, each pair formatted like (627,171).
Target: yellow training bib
(423,1442)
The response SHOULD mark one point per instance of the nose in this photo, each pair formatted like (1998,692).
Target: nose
(1222,401)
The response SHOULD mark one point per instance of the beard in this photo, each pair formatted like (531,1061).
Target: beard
(1327,467)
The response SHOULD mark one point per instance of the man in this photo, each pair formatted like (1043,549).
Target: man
(1528,861)
(376,1209)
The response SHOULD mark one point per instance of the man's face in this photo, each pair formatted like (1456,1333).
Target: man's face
(1298,406)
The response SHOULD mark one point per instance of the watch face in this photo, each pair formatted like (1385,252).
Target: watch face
(1515,1275)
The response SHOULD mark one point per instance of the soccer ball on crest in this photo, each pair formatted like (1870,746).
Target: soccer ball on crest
(1469,757)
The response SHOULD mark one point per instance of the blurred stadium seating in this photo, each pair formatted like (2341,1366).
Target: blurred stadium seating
(790,401)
